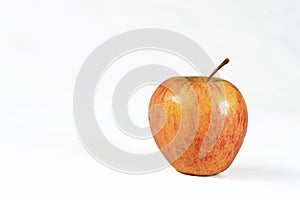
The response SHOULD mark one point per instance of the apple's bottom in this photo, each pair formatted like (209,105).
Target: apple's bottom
(193,174)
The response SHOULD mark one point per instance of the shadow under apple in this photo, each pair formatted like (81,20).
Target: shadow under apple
(261,173)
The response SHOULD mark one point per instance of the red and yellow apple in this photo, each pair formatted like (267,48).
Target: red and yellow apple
(198,123)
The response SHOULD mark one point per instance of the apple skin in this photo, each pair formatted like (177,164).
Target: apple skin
(198,125)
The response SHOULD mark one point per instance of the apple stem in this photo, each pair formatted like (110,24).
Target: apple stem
(218,68)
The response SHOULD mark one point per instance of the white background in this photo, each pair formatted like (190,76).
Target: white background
(43,45)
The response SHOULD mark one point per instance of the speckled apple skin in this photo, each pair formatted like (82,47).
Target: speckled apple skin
(221,114)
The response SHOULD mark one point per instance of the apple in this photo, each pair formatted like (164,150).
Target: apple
(198,123)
